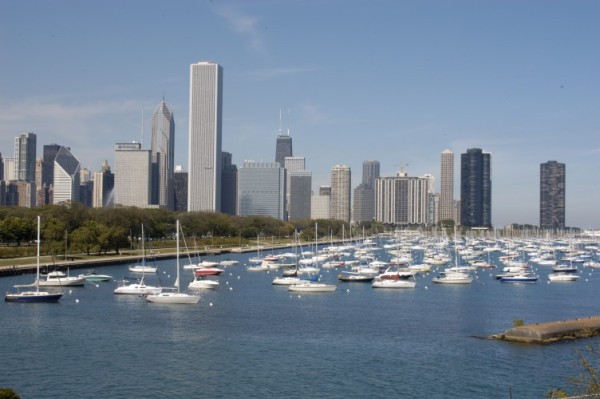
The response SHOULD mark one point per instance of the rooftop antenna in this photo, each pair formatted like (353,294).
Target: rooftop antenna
(142,138)
(280,121)
(288,130)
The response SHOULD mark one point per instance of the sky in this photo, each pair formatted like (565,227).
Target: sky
(394,81)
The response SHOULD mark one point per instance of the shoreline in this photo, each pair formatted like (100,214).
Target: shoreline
(552,332)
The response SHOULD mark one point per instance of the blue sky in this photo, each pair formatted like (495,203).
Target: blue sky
(396,81)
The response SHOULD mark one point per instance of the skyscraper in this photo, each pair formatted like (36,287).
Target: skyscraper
(66,177)
(552,195)
(204,172)
(162,148)
(364,194)
(261,189)
(283,148)
(180,187)
(132,175)
(299,188)
(340,192)
(25,152)
(104,184)
(402,200)
(229,181)
(475,188)
(446,186)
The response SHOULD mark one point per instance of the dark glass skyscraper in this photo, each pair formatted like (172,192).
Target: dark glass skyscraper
(552,195)
(283,148)
(475,189)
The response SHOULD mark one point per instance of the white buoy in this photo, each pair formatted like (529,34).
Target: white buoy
(230,288)
(210,304)
(76,300)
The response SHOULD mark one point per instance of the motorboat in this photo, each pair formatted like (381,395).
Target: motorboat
(228,262)
(453,277)
(60,279)
(208,271)
(287,280)
(393,283)
(95,277)
(201,282)
(522,277)
(139,288)
(555,277)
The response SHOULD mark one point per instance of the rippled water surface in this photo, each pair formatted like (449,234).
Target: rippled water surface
(250,339)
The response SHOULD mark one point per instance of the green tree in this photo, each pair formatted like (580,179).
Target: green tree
(86,237)
(8,393)
(587,382)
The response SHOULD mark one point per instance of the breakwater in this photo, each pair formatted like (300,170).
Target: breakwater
(550,332)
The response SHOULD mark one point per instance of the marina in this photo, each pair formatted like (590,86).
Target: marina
(247,335)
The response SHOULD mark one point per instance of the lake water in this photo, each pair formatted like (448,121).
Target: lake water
(250,339)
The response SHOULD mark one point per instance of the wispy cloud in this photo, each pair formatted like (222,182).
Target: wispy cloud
(243,24)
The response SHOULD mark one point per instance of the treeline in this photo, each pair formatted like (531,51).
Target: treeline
(74,228)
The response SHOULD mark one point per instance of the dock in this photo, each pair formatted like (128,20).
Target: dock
(550,332)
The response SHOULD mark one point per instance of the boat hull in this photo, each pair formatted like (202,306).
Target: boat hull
(33,297)
(312,287)
(173,298)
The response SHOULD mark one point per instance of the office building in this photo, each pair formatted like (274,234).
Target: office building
(283,148)
(261,189)
(204,171)
(1,168)
(180,188)
(25,153)
(66,177)
(229,182)
(552,195)
(300,192)
(162,148)
(364,193)
(132,175)
(104,184)
(446,201)
(340,193)
(320,204)
(476,189)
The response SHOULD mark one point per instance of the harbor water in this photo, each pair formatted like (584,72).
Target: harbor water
(250,339)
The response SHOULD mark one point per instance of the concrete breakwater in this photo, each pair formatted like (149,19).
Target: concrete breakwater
(550,332)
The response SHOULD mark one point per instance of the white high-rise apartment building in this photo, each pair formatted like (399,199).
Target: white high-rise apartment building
(204,171)
(446,211)
(402,200)
(340,192)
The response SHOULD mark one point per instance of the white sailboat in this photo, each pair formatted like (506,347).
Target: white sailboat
(143,267)
(312,286)
(34,295)
(176,297)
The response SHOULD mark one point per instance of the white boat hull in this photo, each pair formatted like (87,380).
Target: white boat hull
(312,287)
(173,298)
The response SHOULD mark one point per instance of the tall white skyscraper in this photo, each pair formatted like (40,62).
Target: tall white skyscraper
(447,186)
(204,171)
(340,192)
(163,156)
(66,177)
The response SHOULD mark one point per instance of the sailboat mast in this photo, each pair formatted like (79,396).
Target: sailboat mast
(37,256)
(177,238)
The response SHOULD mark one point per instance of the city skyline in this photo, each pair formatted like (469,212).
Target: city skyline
(517,80)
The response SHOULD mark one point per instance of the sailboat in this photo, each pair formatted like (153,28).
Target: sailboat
(143,267)
(37,295)
(174,297)
(456,274)
(312,286)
